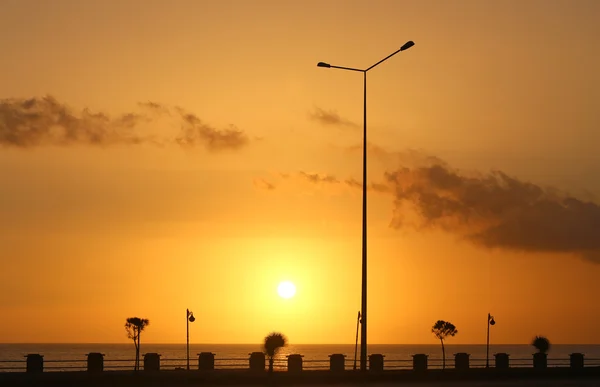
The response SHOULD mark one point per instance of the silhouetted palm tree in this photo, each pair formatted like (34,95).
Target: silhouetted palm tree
(540,359)
(541,343)
(442,329)
(273,342)
(134,327)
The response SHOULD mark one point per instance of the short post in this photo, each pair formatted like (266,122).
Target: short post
(35,363)
(501,360)
(337,362)
(376,362)
(294,363)
(257,362)
(95,362)
(420,362)
(152,362)
(461,361)
(540,360)
(576,360)
(206,361)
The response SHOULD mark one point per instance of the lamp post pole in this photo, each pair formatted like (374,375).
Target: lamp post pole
(356,342)
(363,312)
(490,321)
(189,317)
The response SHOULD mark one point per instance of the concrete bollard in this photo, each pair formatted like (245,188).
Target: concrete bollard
(35,363)
(95,362)
(206,361)
(294,363)
(337,362)
(576,360)
(257,362)
(540,360)
(376,362)
(420,362)
(152,362)
(461,361)
(501,360)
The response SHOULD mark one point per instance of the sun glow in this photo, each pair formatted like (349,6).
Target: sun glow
(286,289)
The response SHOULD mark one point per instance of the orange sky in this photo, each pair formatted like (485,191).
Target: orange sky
(240,173)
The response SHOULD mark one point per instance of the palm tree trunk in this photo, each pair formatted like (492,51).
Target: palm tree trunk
(270,364)
(135,362)
(443,355)
(138,348)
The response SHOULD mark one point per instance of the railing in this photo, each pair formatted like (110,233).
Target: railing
(35,363)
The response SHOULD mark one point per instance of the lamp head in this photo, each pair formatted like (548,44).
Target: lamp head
(323,64)
(192,318)
(407,45)
(492,321)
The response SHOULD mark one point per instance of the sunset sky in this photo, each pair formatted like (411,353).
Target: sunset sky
(163,155)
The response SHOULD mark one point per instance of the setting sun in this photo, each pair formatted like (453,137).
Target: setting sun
(286,289)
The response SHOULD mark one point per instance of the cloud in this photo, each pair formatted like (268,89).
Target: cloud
(263,184)
(325,178)
(27,123)
(391,159)
(495,210)
(319,178)
(331,118)
(155,107)
(353,183)
(194,132)
(33,122)
(491,210)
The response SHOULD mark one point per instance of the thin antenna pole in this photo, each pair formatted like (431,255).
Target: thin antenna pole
(356,345)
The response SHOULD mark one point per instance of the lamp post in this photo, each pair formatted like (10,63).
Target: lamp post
(363,312)
(189,317)
(490,321)
(356,342)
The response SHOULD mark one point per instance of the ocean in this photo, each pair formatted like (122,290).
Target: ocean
(61,357)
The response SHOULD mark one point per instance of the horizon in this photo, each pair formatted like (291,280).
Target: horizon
(162,156)
(308,344)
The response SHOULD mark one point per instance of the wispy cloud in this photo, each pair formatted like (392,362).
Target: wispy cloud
(263,184)
(331,118)
(322,179)
(28,123)
(391,159)
(319,178)
(194,132)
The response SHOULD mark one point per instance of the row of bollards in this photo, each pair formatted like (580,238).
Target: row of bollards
(337,362)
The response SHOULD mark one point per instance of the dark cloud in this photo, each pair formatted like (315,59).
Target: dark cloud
(497,211)
(32,122)
(492,210)
(331,118)
(26,123)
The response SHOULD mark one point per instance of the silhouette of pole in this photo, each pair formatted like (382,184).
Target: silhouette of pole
(363,325)
(189,317)
(490,321)
(356,341)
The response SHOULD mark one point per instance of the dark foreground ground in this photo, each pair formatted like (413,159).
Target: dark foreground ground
(552,377)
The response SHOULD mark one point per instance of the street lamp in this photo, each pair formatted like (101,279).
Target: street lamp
(363,312)
(491,321)
(189,317)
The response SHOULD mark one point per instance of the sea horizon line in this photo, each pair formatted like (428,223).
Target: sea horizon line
(290,344)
